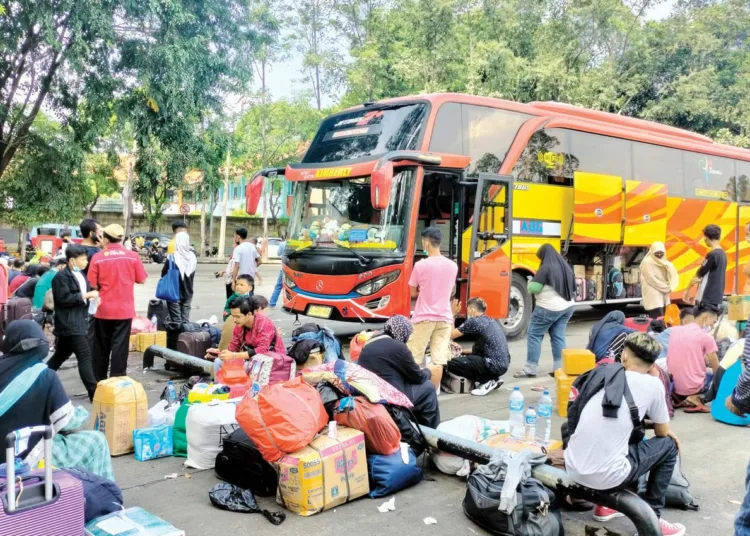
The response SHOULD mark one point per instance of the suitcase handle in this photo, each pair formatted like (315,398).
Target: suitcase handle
(10,459)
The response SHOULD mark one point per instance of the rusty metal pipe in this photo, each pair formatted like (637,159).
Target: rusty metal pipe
(634,508)
(176,358)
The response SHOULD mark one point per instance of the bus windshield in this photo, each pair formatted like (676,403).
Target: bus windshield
(367,132)
(333,212)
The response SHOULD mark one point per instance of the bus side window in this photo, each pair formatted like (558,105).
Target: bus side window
(547,159)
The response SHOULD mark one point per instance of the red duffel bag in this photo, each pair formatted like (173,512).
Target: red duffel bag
(382,436)
(283,418)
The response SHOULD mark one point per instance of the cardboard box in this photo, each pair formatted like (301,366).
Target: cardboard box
(313,360)
(120,406)
(325,474)
(599,280)
(133,343)
(593,271)
(144,340)
(563,383)
(739,308)
(576,362)
(580,270)
(506,442)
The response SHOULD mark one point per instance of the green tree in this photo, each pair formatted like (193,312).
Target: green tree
(99,174)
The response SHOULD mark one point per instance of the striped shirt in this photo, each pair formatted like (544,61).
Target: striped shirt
(741,394)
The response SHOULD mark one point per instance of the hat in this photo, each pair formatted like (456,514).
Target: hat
(114,230)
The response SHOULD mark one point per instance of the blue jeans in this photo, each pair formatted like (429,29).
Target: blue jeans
(543,321)
(742,521)
(276,290)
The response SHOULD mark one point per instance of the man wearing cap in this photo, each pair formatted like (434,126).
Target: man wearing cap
(113,272)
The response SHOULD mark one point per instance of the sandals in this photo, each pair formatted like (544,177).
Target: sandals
(524,374)
(697,409)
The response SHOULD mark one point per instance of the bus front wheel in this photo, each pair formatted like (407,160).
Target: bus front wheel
(519,308)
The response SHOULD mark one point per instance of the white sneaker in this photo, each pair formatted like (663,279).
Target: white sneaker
(486,388)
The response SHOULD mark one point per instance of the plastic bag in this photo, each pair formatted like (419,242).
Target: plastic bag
(358,342)
(162,413)
(230,497)
(207,424)
(283,418)
(382,436)
(168,287)
(466,427)
(672,315)
(142,325)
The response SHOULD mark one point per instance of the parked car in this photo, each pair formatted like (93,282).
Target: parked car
(272,250)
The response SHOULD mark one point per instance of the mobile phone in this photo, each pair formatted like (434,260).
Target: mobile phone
(216,275)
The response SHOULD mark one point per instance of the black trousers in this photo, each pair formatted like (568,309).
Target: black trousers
(473,368)
(655,313)
(229,290)
(111,337)
(179,311)
(78,345)
(657,457)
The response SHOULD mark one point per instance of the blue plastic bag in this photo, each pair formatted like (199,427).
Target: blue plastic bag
(153,442)
(168,287)
(389,474)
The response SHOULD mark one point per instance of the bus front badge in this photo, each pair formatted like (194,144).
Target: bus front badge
(319,285)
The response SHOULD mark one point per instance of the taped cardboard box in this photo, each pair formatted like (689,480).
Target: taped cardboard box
(144,340)
(120,406)
(133,347)
(739,308)
(325,474)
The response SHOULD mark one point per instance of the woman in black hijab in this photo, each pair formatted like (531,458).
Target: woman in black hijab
(554,286)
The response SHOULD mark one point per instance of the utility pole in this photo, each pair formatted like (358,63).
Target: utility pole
(202,191)
(224,206)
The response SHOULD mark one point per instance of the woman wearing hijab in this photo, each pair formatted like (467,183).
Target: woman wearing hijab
(32,395)
(554,287)
(658,279)
(387,355)
(186,264)
(607,337)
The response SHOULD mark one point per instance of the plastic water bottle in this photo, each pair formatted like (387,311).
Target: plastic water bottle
(530,424)
(544,418)
(516,413)
(171,393)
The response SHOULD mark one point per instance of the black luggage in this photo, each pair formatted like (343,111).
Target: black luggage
(240,463)
(535,512)
(194,343)
(158,308)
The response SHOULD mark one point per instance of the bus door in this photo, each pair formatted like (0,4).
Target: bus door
(464,193)
(491,240)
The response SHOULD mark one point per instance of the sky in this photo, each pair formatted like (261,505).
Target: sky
(284,80)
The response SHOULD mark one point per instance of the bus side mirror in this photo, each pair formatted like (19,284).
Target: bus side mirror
(381,182)
(253,191)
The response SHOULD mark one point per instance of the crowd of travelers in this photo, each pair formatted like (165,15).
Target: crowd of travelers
(640,377)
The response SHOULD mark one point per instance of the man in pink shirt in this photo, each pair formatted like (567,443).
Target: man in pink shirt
(690,348)
(432,282)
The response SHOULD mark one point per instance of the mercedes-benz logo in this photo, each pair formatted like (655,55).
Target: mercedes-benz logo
(319,285)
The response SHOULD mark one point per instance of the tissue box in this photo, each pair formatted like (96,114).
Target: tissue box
(131,522)
(153,442)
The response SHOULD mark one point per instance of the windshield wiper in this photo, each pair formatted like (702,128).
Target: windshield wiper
(361,258)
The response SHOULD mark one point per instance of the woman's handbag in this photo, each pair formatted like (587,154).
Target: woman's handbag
(168,288)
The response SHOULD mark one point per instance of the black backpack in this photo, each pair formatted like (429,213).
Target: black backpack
(240,463)
(535,513)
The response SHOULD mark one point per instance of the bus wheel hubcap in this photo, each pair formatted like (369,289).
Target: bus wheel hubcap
(516,308)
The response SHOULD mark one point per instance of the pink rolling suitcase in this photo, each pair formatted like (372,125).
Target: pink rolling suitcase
(43,503)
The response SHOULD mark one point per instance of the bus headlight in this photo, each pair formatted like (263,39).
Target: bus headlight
(374,285)
(289,281)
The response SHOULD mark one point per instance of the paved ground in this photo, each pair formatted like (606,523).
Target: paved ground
(715,456)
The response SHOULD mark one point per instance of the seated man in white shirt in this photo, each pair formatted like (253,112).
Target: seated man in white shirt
(600,454)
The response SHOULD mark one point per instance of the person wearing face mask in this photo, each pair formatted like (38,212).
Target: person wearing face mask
(91,232)
(711,276)
(71,293)
(658,279)
(691,347)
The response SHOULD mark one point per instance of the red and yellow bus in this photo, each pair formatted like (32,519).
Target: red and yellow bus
(501,179)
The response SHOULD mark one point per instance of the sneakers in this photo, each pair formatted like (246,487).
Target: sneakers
(671,529)
(602,513)
(486,388)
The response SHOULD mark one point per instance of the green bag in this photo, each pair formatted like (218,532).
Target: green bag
(179,433)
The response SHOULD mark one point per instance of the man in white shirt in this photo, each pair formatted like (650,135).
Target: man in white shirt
(246,258)
(600,455)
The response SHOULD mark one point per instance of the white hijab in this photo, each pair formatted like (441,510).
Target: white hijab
(183,257)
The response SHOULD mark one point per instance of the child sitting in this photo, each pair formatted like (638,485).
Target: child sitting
(243,288)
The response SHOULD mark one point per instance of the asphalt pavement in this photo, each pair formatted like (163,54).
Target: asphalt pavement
(714,455)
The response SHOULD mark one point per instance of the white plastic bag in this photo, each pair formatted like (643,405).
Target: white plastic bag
(162,413)
(207,425)
(468,427)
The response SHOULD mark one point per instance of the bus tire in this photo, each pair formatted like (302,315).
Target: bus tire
(519,308)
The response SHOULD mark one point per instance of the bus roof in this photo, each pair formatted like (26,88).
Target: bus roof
(631,127)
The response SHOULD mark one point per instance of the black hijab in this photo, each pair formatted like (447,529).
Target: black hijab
(555,272)
(23,347)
